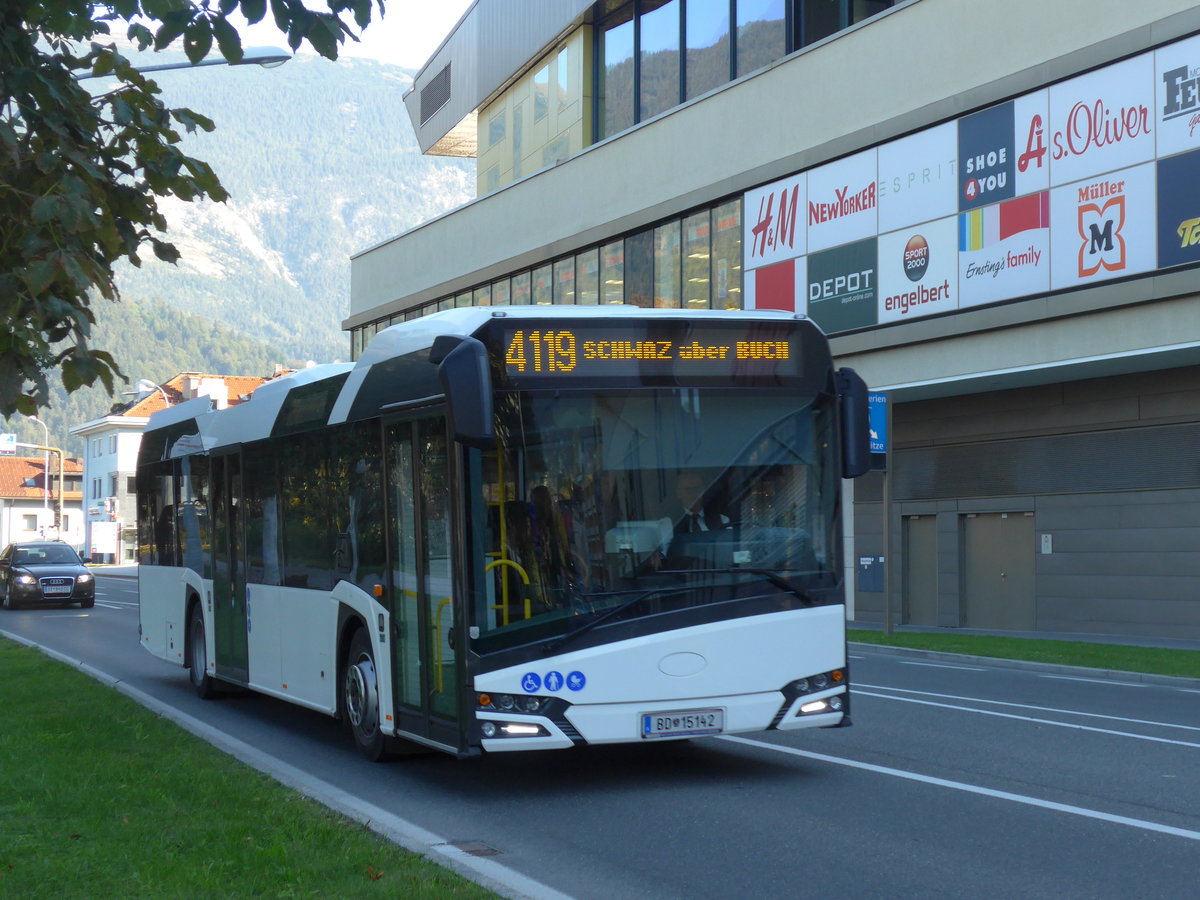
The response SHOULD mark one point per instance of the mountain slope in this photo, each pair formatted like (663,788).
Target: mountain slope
(320,162)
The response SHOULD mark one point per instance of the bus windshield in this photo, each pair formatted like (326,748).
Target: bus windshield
(686,497)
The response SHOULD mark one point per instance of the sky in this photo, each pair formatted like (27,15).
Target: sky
(407,35)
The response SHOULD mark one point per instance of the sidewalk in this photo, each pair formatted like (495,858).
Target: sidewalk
(125,570)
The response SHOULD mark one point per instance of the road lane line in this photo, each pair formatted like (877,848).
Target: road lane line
(1094,680)
(1065,712)
(1001,715)
(908,662)
(1143,824)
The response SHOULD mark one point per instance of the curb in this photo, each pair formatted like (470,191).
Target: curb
(1028,665)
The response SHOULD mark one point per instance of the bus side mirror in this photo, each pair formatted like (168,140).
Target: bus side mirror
(463,371)
(854,413)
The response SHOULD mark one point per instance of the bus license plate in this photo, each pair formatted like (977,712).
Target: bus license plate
(683,722)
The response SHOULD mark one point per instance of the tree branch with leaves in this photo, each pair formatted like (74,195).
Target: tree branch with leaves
(81,174)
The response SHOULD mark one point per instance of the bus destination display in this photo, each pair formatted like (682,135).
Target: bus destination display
(557,352)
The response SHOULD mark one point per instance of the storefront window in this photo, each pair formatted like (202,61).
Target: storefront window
(543,294)
(639,269)
(564,281)
(697,260)
(521,295)
(587,277)
(500,292)
(612,272)
(667,253)
(727,255)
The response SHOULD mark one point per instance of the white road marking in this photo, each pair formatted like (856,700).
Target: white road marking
(1053,709)
(1143,824)
(1000,715)
(1093,680)
(907,662)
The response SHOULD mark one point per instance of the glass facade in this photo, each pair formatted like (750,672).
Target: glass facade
(644,70)
(692,261)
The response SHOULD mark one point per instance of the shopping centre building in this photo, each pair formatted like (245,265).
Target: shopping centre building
(993,209)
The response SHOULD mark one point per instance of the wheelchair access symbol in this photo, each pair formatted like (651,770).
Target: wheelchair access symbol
(530,682)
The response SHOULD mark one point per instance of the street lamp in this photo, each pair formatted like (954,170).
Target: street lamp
(266,57)
(45,464)
(146,386)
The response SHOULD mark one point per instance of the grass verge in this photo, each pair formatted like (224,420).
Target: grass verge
(101,798)
(1149,660)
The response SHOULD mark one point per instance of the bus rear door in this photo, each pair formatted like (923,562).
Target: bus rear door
(229,570)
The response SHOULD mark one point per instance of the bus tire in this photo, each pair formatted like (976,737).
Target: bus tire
(202,682)
(360,698)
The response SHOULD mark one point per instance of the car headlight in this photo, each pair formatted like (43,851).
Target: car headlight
(84,578)
(26,579)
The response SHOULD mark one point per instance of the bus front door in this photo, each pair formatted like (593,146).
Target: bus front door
(425,673)
(229,575)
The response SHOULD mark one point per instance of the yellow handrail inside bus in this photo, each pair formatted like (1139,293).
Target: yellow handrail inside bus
(437,643)
(504,596)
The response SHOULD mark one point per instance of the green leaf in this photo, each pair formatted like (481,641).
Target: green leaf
(228,40)
(45,209)
(165,251)
(140,35)
(197,40)
(172,27)
(254,10)
(324,35)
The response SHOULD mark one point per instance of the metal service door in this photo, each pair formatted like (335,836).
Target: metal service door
(425,663)
(998,571)
(229,570)
(920,570)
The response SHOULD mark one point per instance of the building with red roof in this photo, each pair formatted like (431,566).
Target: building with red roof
(29,500)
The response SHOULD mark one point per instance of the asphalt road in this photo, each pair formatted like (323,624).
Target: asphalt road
(956,780)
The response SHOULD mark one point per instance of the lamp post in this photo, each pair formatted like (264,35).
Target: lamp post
(145,384)
(266,57)
(45,464)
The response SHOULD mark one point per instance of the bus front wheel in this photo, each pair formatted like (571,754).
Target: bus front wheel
(202,682)
(360,698)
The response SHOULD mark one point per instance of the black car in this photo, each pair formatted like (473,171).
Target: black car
(44,572)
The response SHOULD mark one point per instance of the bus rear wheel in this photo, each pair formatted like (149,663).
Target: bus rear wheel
(202,682)
(360,698)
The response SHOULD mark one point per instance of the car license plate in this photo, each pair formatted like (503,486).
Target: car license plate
(679,723)
(60,588)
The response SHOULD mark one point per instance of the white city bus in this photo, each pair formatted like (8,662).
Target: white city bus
(470,539)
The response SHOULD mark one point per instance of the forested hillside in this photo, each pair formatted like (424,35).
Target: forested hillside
(321,163)
(151,339)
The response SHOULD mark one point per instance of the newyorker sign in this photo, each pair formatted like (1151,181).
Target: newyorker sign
(1094,178)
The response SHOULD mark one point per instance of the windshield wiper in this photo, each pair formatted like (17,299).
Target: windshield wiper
(775,579)
(778,580)
(558,643)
